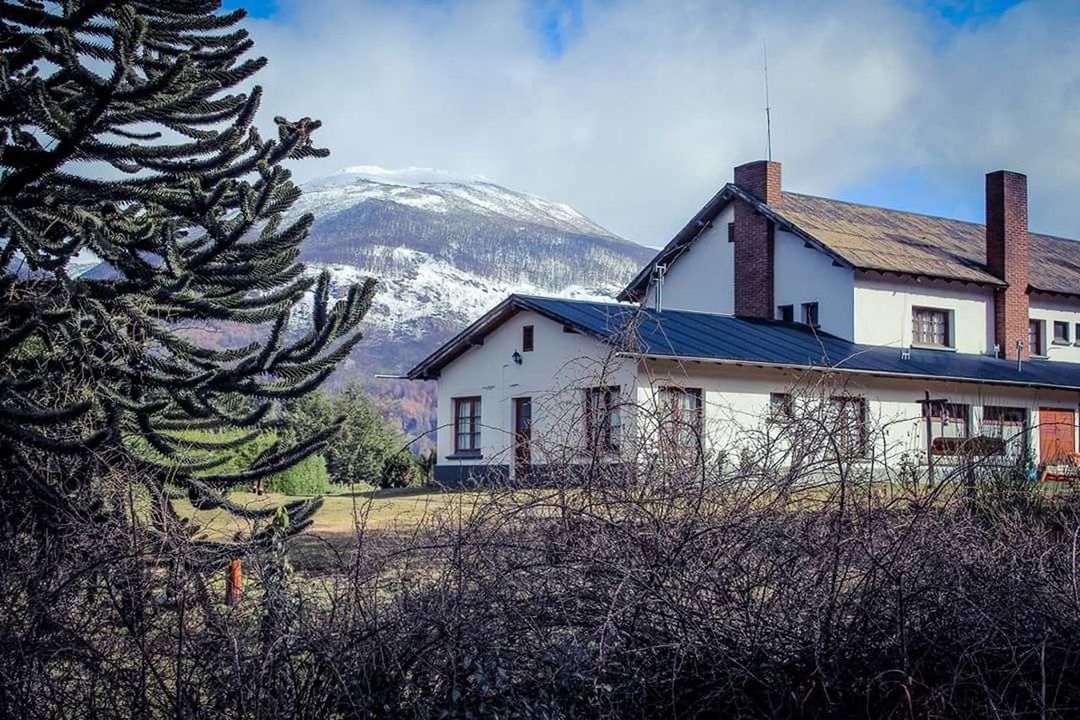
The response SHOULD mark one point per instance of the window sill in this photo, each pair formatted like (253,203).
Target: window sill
(466,456)
(1066,343)
(942,348)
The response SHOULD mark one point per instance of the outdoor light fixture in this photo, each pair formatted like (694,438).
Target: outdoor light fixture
(516,357)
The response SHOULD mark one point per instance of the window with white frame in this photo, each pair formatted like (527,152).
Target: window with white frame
(810,314)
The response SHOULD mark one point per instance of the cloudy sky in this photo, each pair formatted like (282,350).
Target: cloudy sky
(635,111)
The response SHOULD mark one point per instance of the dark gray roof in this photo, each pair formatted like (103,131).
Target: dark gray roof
(684,335)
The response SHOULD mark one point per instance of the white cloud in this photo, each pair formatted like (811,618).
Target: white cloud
(643,116)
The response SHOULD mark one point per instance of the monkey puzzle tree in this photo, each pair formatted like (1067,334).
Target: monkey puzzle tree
(125,132)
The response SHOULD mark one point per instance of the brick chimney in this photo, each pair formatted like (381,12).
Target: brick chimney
(1007,257)
(754,240)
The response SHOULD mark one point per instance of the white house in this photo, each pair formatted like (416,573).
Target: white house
(761,289)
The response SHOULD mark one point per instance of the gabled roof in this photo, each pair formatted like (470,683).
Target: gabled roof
(889,241)
(708,337)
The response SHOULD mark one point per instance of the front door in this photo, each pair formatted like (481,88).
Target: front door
(1057,435)
(522,436)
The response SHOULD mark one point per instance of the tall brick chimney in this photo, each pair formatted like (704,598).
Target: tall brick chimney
(754,240)
(1007,257)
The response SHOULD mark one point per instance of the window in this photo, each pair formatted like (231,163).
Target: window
(849,416)
(810,314)
(1076,334)
(1008,424)
(1061,333)
(602,422)
(1035,337)
(931,326)
(527,338)
(785,313)
(467,425)
(780,406)
(681,416)
(731,232)
(569,330)
(949,426)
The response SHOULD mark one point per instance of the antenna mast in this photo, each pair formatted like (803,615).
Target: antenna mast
(768,118)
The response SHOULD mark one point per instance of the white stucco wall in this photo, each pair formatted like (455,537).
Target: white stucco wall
(703,278)
(883,311)
(736,401)
(1048,309)
(804,275)
(553,375)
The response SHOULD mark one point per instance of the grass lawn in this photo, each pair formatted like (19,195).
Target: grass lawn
(397,509)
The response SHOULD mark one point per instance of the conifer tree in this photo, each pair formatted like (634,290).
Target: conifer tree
(126,132)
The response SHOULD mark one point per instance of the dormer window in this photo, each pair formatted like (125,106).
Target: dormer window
(931,327)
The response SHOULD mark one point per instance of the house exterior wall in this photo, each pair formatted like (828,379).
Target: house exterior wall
(736,403)
(883,311)
(703,278)
(554,375)
(1048,309)
(805,275)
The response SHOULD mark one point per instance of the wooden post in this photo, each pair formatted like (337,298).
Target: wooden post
(234,582)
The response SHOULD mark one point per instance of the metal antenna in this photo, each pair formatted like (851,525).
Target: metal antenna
(768,118)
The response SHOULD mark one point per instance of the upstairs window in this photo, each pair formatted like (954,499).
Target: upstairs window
(731,232)
(785,313)
(810,314)
(931,326)
(1035,337)
(1061,333)
(602,422)
(467,425)
(527,338)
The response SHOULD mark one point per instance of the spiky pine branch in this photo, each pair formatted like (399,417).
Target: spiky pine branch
(123,133)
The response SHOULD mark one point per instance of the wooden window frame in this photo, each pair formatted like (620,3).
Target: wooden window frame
(695,424)
(920,340)
(606,438)
(528,338)
(474,426)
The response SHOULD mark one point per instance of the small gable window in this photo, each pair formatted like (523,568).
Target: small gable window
(527,338)
(931,326)
(731,232)
(785,313)
(810,314)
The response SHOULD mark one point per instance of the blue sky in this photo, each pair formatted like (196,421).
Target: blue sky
(635,111)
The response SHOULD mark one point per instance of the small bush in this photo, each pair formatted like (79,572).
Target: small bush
(400,470)
(305,478)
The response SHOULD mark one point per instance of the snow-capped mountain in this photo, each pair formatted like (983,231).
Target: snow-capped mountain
(447,249)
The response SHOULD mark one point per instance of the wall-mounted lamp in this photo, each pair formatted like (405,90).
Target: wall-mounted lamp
(516,357)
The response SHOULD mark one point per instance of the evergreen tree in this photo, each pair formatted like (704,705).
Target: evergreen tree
(189,217)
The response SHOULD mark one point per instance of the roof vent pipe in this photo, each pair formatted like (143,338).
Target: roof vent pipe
(658,287)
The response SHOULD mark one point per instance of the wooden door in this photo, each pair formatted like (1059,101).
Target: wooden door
(1057,435)
(522,436)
